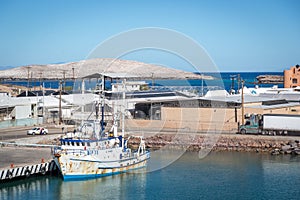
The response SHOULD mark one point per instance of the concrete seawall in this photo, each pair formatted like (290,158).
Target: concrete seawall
(23,161)
(27,171)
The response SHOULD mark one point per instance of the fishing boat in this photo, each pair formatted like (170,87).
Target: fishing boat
(82,156)
(79,157)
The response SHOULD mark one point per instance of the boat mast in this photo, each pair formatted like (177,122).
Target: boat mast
(102,104)
(123,112)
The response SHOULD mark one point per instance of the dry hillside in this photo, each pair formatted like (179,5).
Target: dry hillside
(99,65)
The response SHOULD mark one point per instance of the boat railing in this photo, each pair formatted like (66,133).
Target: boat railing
(75,152)
(91,151)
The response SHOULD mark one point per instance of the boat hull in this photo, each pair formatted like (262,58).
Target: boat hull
(74,169)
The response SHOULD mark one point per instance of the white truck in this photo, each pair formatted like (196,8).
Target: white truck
(271,124)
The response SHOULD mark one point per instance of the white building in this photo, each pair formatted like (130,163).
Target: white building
(131,86)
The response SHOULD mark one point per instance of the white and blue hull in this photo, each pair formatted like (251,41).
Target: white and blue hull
(84,167)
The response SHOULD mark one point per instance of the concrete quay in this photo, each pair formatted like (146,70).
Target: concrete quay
(18,162)
(22,156)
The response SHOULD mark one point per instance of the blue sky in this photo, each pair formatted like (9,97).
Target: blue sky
(239,35)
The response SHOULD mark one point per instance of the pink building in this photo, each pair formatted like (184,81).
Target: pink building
(292,77)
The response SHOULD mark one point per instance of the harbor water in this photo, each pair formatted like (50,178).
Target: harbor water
(220,175)
(223,80)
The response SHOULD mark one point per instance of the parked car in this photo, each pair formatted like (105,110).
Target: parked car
(37,131)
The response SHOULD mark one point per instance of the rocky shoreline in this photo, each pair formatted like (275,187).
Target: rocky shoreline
(222,142)
(214,142)
(269,79)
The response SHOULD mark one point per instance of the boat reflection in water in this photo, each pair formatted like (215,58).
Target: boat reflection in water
(52,187)
(110,187)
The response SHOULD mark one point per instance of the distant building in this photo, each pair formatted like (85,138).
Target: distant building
(292,77)
(39,93)
(130,86)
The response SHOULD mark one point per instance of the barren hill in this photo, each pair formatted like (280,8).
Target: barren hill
(99,65)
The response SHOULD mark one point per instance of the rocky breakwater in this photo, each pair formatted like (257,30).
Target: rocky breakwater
(270,79)
(216,142)
(289,148)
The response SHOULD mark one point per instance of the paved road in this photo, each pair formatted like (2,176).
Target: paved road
(21,132)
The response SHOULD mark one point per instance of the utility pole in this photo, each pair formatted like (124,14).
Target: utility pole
(60,111)
(243,106)
(73,73)
(202,83)
(40,73)
(64,83)
(73,77)
(232,77)
(28,76)
(32,79)
(239,82)
(152,80)
(43,101)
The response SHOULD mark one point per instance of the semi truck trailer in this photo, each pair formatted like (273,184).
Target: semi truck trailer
(271,124)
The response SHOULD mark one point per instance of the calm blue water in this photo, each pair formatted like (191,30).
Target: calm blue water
(221,175)
(224,81)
